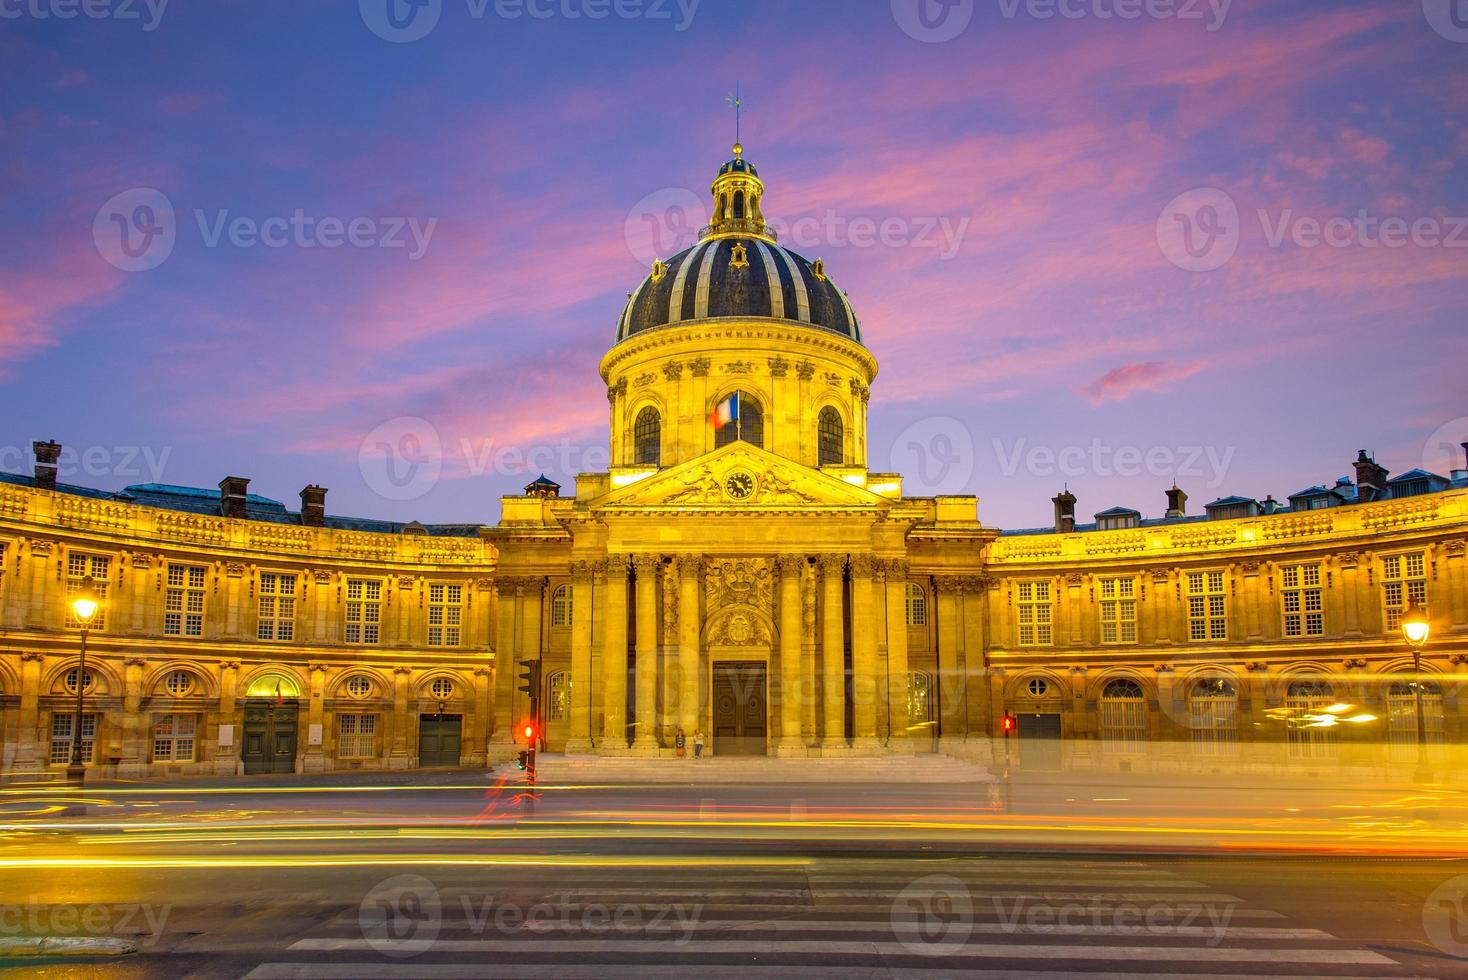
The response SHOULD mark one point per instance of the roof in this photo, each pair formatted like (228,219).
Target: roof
(1119,512)
(1229,501)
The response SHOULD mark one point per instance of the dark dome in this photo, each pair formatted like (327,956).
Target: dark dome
(773,282)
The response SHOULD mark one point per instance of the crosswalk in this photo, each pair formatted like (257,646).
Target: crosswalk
(1036,919)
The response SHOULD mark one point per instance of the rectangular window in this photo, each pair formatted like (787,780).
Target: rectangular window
(1034,614)
(1207,606)
(445,614)
(173,737)
(364,611)
(61,737)
(1118,610)
(277,607)
(1304,610)
(78,567)
(1403,582)
(356,736)
(183,602)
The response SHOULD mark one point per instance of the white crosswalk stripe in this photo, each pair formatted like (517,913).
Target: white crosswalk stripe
(981,918)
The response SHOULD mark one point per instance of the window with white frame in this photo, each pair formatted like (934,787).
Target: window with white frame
(1213,715)
(1123,716)
(1118,610)
(442,688)
(183,601)
(1207,606)
(356,736)
(917,605)
(179,683)
(561,606)
(1035,613)
(75,676)
(1403,583)
(173,737)
(364,611)
(277,615)
(1401,715)
(61,730)
(1304,608)
(359,686)
(559,688)
(78,567)
(445,614)
(1305,704)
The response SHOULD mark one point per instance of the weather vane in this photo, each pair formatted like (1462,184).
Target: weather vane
(737,103)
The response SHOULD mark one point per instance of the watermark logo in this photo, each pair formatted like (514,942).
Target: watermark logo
(143,463)
(400,21)
(1445,917)
(935,456)
(1212,12)
(135,230)
(1198,231)
(401,916)
(933,21)
(933,916)
(148,12)
(663,224)
(402,458)
(1443,451)
(144,923)
(1449,18)
(1104,459)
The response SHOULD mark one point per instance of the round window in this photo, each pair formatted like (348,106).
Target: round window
(443,688)
(178,683)
(359,686)
(1038,687)
(71,680)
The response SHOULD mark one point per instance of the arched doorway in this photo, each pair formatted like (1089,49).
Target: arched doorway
(272,721)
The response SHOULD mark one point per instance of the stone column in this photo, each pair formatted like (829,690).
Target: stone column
(504,669)
(833,658)
(1159,600)
(29,744)
(1350,593)
(1457,589)
(477,738)
(226,757)
(314,758)
(399,757)
(579,738)
(645,702)
(689,623)
(863,656)
(975,667)
(791,743)
(950,677)
(614,658)
(900,739)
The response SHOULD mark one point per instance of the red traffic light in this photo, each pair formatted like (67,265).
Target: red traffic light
(529,731)
(1009,723)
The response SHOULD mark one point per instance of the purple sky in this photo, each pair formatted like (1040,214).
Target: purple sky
(1010,210)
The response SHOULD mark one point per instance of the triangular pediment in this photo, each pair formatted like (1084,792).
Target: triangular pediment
(739,477)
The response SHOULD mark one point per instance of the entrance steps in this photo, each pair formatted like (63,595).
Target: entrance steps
(887,770)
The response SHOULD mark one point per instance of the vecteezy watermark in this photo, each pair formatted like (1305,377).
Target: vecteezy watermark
(933,21)
(1443,451)
(565,456)
(401,916)
(404,21)
(1100,458)
(663,224)
(124,462)
(402,458)
(1198,230)
(1449,18)
(1445,917)
(1212,12)
(1193,920)
(137,230)
(936,456)
(933,916)
(149,13)
(134,920)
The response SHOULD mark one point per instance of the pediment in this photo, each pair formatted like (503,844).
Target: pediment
(741,477)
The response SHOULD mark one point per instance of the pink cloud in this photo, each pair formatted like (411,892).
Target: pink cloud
(1121,383)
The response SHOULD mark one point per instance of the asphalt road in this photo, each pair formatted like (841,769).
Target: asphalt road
(450,875)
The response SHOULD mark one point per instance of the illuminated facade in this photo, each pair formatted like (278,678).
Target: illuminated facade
(738,571)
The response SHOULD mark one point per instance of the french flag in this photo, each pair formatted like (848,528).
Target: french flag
(726,412)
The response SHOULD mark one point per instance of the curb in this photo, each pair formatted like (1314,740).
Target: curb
(65,946)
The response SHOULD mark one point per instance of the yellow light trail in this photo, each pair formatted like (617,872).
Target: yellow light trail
(376,860)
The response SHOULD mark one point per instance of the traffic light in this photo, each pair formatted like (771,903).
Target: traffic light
(530,679)
(1009,723)
(529,732)
(523,761)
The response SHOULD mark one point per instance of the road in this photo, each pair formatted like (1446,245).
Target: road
(454,875)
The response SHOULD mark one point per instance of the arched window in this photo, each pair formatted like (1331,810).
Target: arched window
(561,606)
(832,438)
(1213,716)
(648,434)
(359,686)
(442,688)
(738,204)
(1401,716)
(747,423)
(1307,733)
(73,677)
(1038,687)
(1123,716)
(179,683)
(917,605)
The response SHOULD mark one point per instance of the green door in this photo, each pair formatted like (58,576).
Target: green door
(270,735)
(438,741)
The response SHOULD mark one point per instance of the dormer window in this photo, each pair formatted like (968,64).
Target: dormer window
(1118,519)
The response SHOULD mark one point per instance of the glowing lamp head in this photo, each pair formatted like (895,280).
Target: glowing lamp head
(1009,723)
(1415,627)
(529,732)
(86,602)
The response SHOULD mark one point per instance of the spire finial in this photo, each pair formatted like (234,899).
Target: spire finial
(737,103)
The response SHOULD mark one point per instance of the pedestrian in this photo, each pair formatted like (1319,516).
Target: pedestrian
(679,741)
(698,744)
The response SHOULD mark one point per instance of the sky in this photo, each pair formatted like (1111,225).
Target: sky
(1102,244)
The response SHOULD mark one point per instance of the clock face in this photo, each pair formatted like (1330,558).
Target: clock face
(739,486)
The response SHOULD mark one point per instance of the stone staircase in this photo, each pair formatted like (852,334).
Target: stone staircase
(886,770)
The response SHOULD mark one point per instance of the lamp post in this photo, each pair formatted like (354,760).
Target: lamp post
(1415,630)
(84,606)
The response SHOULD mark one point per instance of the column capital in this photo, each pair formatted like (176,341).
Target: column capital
(646,563)
(31,656)
(863,565)
(402,671)
(689,565)
(896,568)
(617,563)
(830,564)
(584,569)
(791,565)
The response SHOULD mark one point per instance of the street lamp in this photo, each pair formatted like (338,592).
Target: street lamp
(84,606)
(1415,630)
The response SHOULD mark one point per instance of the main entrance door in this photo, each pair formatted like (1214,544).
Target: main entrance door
(1039,741)
(739,709)
(270,735)
(438,741)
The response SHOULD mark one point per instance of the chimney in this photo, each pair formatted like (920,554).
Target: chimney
(1464,446)
(313,506)
(1177,502)
(1370,479)
(47,453)
(1269,506)
(1065,511)
(232,491)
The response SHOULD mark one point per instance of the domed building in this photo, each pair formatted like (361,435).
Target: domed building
(739,571)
